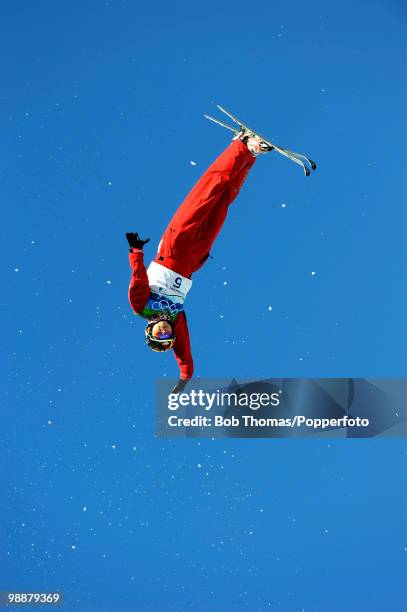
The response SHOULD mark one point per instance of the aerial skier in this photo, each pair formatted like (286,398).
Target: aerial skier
(158,293)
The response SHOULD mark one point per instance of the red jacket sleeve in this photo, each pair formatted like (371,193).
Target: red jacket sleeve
(182,347)
(139,289)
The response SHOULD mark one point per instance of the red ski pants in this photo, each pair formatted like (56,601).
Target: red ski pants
(187,241)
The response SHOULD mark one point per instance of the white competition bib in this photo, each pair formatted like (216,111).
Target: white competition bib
(164,281)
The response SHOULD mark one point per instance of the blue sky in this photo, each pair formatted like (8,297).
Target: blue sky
(102,107)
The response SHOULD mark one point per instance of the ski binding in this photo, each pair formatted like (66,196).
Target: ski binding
(295,157)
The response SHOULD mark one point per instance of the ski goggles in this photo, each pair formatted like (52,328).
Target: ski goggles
(163,335)
(159,345)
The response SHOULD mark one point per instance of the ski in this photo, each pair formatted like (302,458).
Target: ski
(292,155)
(228,127)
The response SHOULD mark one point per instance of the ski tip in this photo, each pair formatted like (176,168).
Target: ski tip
(313,164)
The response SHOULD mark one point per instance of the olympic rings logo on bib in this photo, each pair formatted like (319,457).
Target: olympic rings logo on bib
(166,306)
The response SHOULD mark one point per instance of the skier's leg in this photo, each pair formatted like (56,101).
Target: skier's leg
(217,187)
(210,187)
(212,224)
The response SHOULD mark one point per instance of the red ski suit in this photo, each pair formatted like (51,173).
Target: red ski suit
(188,239)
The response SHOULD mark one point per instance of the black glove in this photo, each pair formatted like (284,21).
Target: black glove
(134,240)
(181,384)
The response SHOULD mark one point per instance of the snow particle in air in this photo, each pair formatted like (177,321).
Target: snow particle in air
(283,205)
(313,273)
(192,163)
(270,308)
(16,269)
(225,282)
(109,183)
(108,282)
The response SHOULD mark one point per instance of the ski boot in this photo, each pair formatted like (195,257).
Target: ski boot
(253,142)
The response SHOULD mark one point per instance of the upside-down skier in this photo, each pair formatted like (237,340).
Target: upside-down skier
(158,293)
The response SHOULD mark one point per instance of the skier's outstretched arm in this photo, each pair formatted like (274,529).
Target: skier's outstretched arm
(182,348)
(139,289)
